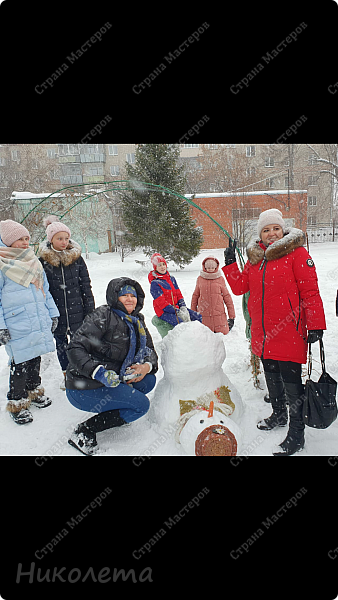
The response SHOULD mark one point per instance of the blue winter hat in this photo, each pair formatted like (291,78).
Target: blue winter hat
(127,289)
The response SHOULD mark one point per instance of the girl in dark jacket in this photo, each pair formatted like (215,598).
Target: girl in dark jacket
(286,312)
(112,364)
(69,282)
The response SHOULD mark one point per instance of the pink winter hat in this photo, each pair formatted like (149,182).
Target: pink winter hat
(53,226)
(157,258)
(11,231)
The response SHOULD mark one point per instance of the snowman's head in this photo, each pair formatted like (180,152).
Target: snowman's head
(210,433)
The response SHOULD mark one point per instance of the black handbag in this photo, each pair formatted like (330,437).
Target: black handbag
(320,407)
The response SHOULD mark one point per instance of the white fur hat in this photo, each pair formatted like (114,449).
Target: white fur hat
(272,216)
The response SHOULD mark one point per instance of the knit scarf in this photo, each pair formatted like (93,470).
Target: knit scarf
(22,266)
(143,350)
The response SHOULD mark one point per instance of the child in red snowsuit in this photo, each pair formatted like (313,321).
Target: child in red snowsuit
(168,301)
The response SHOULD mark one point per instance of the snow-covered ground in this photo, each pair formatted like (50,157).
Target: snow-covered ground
(47,435)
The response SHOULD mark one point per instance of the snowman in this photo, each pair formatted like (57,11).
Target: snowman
(192,357)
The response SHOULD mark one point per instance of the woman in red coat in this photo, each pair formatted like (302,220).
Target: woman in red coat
(210,296)
(286,311)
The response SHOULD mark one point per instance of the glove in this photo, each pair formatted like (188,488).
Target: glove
(314,335)
(183,314)
(108,378)
(55,321)
(181,303)
(169,309)
(229,253)
(231,323)
(5,336)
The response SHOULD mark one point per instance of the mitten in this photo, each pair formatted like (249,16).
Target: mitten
(231,323)
(229,253)
(169,309)
(108,378)
(55,321)
(5,336)
(314,335)
(181,303)
(183,314)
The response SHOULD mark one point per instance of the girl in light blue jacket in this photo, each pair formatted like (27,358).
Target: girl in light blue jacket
(27,316)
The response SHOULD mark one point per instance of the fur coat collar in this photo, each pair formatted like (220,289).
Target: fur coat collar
(293,238)
(66,257)
(207,275)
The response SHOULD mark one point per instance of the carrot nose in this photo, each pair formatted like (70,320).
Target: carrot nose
(211,409)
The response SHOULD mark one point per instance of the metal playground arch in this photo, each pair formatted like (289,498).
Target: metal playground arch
(53,204)
(69,195)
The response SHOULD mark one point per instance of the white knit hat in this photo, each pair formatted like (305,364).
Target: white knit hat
(11,231)
(53,226)
(272,216)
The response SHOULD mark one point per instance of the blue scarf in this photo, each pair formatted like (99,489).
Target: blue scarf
(143,351)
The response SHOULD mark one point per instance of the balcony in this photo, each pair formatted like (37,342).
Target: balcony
(93,178)
(101,157)
(69,158)
(69,179)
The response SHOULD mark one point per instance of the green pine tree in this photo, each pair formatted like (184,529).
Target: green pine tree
(158,221)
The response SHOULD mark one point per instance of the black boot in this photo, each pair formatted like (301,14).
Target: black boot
(84,436)
(104,420)
(294,440)
(279,417)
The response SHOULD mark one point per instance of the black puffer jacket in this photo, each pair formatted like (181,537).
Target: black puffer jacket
(69,284)
(103,339)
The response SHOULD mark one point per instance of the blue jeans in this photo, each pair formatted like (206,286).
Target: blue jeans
(131,401)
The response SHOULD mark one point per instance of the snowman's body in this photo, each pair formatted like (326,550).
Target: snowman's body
(192,357)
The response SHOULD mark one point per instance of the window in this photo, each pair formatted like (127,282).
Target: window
(311,220)
(54,174)
(312,201)
(313,180)
(35,164)
(212,146)
(312,159)
(91,148)
(65,149)
(2,161)
(269,161)
(270,183)
(114,170)
(51,153)
(94,170)
(251,150)
(191,146)
(112,150)
(250,171)
(130,158)
(15,155)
